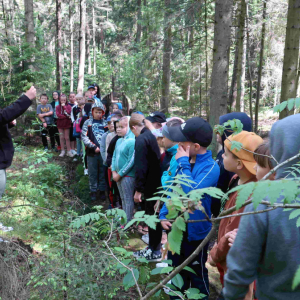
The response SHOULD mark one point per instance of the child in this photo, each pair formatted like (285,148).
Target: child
(117,106)
(45,114)
(92,131)
(72,99)
(147,180)
(72,102)
(54,104)
(196,162)
(77,112)
(266,248)
(122,165)
(242,163)
(225,176)
(64,124)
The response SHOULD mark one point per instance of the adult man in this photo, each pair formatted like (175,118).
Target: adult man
(7,116)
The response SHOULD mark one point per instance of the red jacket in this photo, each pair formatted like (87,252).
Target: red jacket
(63,116)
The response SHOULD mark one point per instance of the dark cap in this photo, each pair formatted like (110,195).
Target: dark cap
(91,87)
(157,116)
(194,130)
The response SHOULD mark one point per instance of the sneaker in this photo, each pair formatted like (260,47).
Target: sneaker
(74,151)
(75,158)
(93,196)
(140,253)
(145,238)
(62,153)
(70,153)
(46,148)
(86,172)
(151,256)
(58,148)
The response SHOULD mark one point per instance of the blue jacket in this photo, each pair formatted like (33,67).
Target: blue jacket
(205,174)
(171,172)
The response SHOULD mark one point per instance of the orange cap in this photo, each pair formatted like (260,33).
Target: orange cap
(250,141)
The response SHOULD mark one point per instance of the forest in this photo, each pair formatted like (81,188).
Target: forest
(184,58)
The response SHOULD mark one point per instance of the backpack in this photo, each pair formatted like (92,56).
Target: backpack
(76,128)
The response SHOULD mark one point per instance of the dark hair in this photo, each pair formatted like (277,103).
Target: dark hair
(174,122)
(98,94)
(43,95)
(263,161)
(72,93)
(58,93)
(116,115)
(119,112)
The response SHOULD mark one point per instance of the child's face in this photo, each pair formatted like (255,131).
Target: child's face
(110,124)
(91,93)
(122,128)
(230,162)
(156,125)
(167,144)
(80,101)
(55,96)
(44,100)
(193,148)
(97,113)
(72,98)
(63,99)
(219,139)
(160,142)
(86,95)
(115,107)
(261,172)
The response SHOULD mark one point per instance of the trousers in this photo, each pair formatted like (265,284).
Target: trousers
(126,189)
(2,182)
(96,173)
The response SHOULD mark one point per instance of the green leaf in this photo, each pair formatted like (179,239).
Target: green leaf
(261,191)
(294,214)
(298,222)
(291,104)
(244,194)
(122,270)
(236,145)
(276,109)
(175,239)
(161,270)
(151,221)
(128,280)
(172,212)
(180,223)
(168,261)
(297,102)
(186,215)
(44,159)
(178,190)
(177,281)
(139,214)
(87,218)
(296,280)
(189,269)
(130,223)
(177,293)
(194,293)
(125,262)
(282,106)
(157,293)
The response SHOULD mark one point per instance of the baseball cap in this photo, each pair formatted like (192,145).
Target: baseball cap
(250,141)
(195,130)
(91,87)
(157,116)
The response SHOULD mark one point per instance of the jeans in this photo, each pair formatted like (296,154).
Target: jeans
(2,182)
(49,130)
(200,279)
(96,173)
(78,145)
(126,189)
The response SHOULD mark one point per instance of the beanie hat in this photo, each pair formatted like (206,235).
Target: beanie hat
(250,141)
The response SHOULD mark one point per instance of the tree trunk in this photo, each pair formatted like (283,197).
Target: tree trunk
(81,47)
(289,83)
(164,103)
(261,60)
(139,20)
(241,58)
(71,17)
(88,51)
(219,80)
(59,56)
(206,60)
(94,43)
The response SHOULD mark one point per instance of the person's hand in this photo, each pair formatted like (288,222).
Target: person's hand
(181,152)
(167,225)
(156,205)
(116,176)
(137,197)
(14,122)
(211,262)
(231,235)
(45,124)
(31,93)
(97,150)
(63,104)
(149,125)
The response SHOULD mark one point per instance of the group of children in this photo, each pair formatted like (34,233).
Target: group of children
(129,157)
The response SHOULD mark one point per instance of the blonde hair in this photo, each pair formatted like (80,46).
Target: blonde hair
(136,120)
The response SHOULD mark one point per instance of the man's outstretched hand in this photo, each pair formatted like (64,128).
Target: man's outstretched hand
(31,93)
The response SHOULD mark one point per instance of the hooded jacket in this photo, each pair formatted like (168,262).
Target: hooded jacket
(205,174)
(266,248)
(169,174)
(7,115)
(123,158)
(92,131)
(147,164)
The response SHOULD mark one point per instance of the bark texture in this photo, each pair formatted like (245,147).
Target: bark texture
(59,56)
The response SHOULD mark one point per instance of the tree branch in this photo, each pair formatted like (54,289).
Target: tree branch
(184,264)
(173,292)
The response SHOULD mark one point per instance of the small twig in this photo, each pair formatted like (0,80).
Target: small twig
(111,228)
(280,165)
(131,270)
(173,292)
